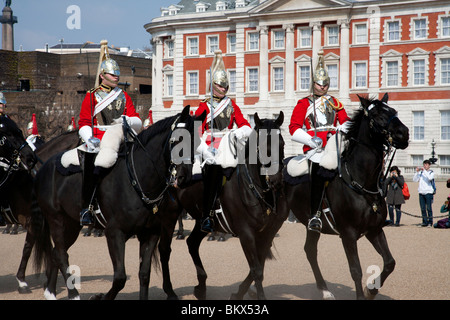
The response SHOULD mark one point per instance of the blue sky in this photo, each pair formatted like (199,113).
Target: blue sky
(118,21)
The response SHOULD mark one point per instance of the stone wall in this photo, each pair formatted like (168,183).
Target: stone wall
(58,84)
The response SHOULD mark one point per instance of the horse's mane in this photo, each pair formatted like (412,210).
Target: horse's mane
(156,128)
(357,119)
(4,119)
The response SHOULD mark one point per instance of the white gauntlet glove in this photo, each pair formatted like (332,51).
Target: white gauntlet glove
(134,122)
(242,132)
(302,136)
(207,154)
(92,143)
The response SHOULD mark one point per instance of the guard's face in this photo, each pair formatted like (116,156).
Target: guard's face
(219,91)
(110,79)
(320,90)
(2,108)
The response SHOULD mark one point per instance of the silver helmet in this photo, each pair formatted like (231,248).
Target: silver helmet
(2,98)
(321,75)
(219,75)
(110,66)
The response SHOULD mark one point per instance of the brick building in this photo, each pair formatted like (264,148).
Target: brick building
(370,47)
(53,86)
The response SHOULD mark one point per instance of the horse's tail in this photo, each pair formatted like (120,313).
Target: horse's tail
(41,232)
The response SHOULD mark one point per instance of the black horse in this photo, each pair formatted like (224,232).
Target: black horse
(130,196)
(253,206)
(355,196)
(22,200)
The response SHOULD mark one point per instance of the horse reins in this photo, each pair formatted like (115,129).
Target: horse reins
(131,169)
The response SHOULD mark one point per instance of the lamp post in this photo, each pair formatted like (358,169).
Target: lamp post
(433,158)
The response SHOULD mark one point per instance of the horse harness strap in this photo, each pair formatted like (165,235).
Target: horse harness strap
(131,169)
(257,194)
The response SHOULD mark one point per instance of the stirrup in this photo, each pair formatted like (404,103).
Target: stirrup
(86,216)
(315,224)
(207,225)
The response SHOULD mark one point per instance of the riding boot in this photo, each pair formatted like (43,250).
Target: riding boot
(88,190)
(317,190)
(212,181)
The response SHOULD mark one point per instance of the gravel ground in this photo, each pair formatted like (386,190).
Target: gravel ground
(422,270)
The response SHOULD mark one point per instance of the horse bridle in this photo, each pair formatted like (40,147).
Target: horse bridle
(12,164)
(253,187)
(131,168)
(388,142)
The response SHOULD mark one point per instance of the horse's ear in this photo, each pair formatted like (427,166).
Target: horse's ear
(364,102)
(385,98)
(185,112)
(280,119)
(258,122)
(202,117)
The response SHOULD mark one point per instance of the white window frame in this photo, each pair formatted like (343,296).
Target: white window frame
(300,31)
(230,44)
(275,33)
(230,73)
(169,52)
(418,124)
(248,84)
(446,125)
(441,27)
(274,67)
(354,75)
(442,53)
(189,46)
(416,55)
(249,42)
(387,31)
(391,56)
(189,92)
(356,35)
(413,28)
(300,78)
(327,65)
(167,87)
(327,35)
(208,41)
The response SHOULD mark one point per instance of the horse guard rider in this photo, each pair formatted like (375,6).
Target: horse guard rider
(222,115)
(314,120)
(100,127)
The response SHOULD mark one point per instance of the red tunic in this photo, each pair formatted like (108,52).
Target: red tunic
(87,110)
(299,119)
(236,117)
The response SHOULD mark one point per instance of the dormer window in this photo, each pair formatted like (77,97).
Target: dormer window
(171,10)
(202,6)
(241,3)
(221,5)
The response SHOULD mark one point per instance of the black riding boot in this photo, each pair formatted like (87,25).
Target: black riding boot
(88,188)
(317,186)
(212,182)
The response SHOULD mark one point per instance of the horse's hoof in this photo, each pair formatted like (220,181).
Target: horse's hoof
(221,239)
(99,296)
(370,294)
(200,294)
(234,296)
(327,295)
(87,234)
(24,290)
(180,237)
(14,232)
(48,295)
(211,238)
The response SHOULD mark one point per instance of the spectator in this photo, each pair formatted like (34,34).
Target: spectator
(394,197)
(425,176)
